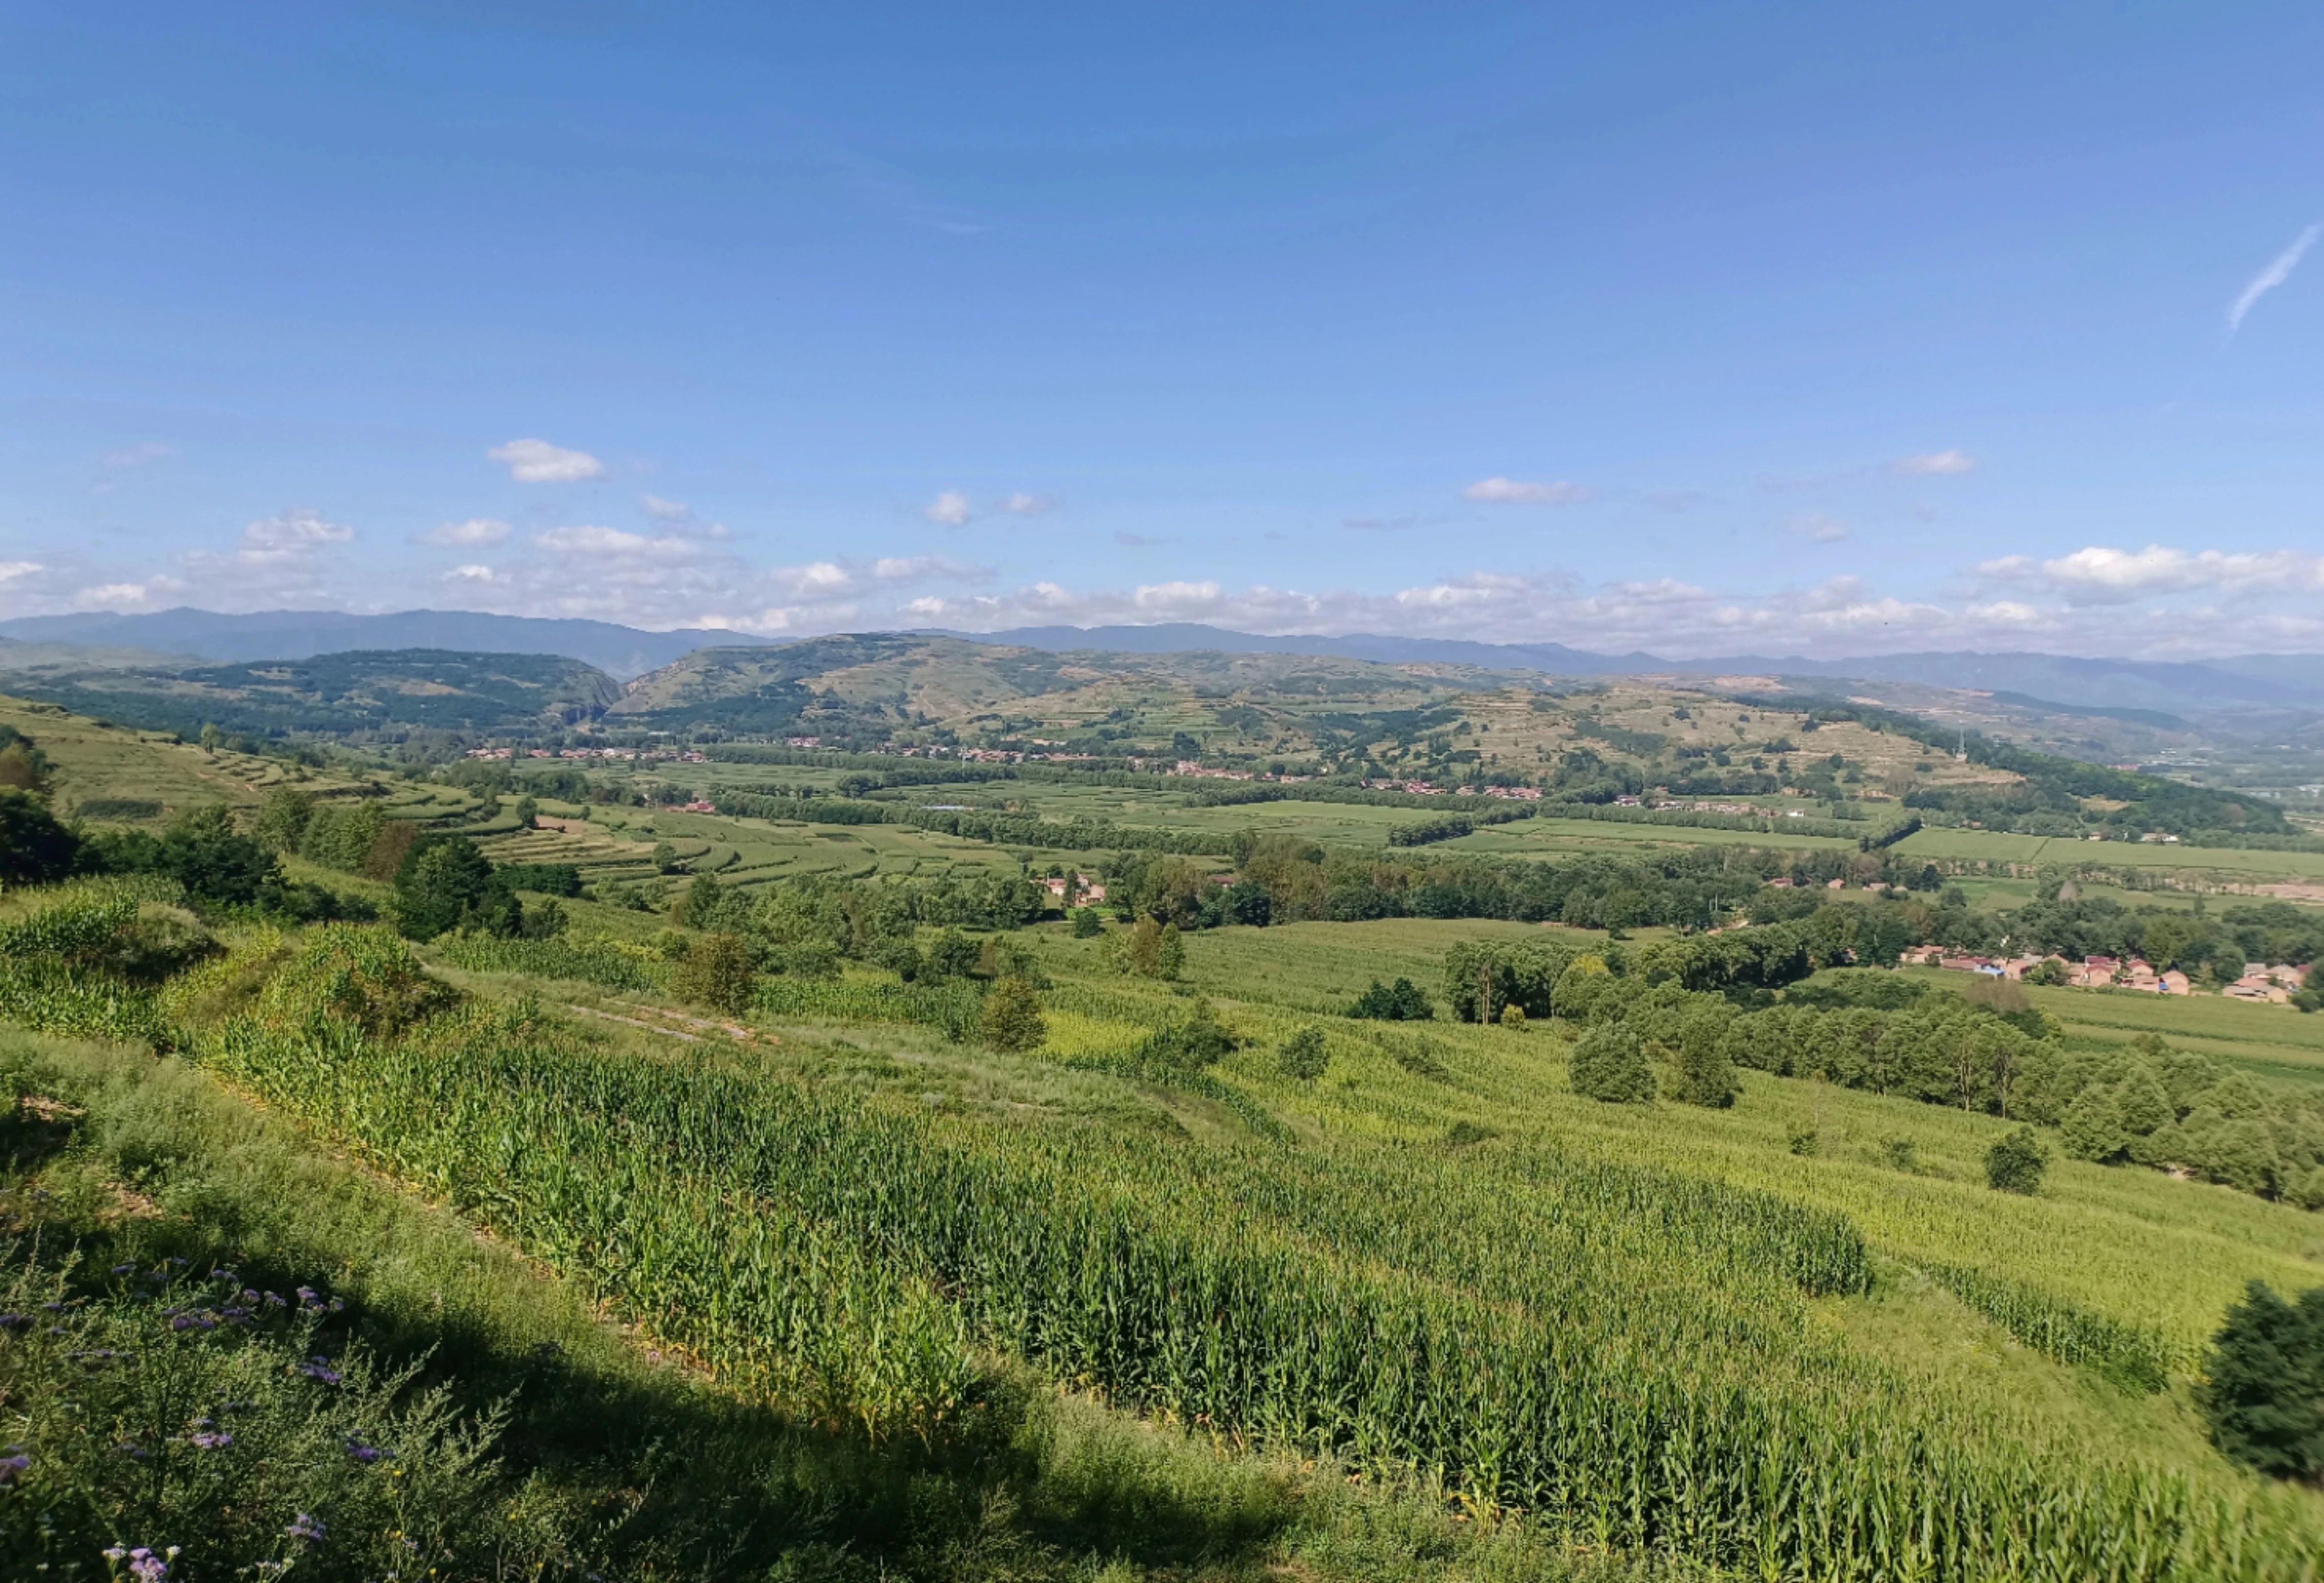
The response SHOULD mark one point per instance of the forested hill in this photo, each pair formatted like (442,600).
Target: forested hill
(360,691)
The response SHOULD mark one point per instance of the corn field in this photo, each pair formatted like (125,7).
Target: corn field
(1625,1354)
(2134,1357)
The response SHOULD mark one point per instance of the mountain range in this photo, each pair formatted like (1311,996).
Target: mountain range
(2246,682)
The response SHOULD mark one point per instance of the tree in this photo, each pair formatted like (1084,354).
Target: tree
(2015,1163)
(447,883)
(203,852)
(716,973)
(1011,1020)
(1086,925)
(1170,954)
(282,819)
(1705,1078)
(2092,1126)
(34,848)
(665,857)
(1610,1064)
(2262,1395)
(1304,1057)
(2144,1108)
(951,955)
(1402,1001)
(23,765)
(527,810)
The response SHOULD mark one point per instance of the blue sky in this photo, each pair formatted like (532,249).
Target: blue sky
(1702,328)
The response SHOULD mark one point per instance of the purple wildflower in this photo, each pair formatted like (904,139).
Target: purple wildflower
(13,1468)
(308,1301)
(15,1321)
(275,1300)
(211,1440)
(307,1530)
(320,1368)
(125,1270)
(364,1453)
(148,1567)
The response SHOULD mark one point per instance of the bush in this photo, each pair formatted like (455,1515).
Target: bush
(2015,1163)
(1704,1076)
(35,849)
(1085,924)
(1195,1041)
(1304,1057)
(1803,1138)
(1401,1001)
(1011,1020)
(447,883)
(1513,1017)
(2261,1395)
(715,973)
(1610,1064)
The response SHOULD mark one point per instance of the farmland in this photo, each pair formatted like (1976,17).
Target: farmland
(1420,1310)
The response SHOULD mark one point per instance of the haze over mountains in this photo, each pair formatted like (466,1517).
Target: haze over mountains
(2243,682)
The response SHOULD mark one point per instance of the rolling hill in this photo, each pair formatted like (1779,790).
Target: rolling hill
(341,695)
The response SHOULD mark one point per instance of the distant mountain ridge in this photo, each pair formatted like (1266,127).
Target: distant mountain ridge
(2260,681)
(620,652)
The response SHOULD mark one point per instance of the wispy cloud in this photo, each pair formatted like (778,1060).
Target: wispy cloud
(950,508)
(1936,463)
(536,461)
(474,530)
(1819,529)
(2278,270)
(1021,504)
(13,571)
(1525,492)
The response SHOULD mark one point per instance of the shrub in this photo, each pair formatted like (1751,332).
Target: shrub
(1304,1057)
(35,849)
(1704,1076)
(1085,924)
(447,883)
(1011,1020)
(1610,1064)
(1194,1041)
(1402,1001)
(1513,1017)
(715,973)
(2015,1163)
(2261,1395)
(1900,1154)
(1170,955)
(1802,1139)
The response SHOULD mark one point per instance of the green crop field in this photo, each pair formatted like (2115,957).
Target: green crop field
(1135,1295)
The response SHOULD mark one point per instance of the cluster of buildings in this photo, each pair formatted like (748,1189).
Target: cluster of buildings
(1076,890)
(2274,982)
(635,755)
(1672,803)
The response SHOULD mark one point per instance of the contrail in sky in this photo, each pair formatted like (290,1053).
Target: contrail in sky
(2278,271)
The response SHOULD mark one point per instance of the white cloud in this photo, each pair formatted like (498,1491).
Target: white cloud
(289,535)
(1522,491)
(1176,596)
(2102,574)
(927,606)
(1819,529)
(111,594)
(662,511)
(474,573)
(536,461)
(144,453)
(816,577)
(950,508)
(15,570)
(1027,505)
(608,542)
(2278,270)
(474,530)
(1936,463)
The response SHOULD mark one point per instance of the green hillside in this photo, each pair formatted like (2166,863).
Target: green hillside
(1265,1221)
(358,693)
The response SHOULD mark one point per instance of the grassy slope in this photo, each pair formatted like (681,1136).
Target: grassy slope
(1052,1486)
